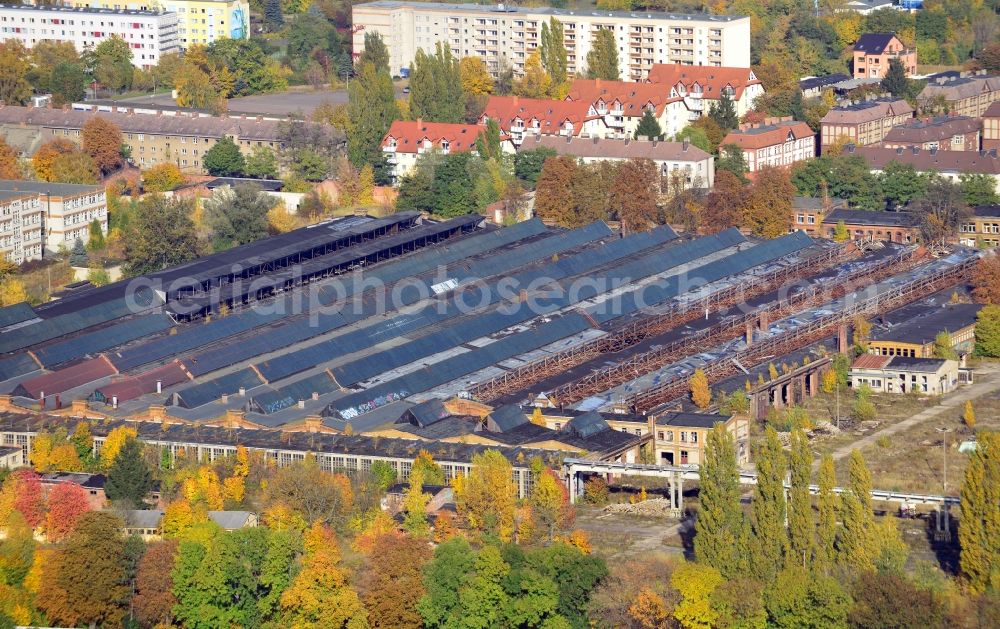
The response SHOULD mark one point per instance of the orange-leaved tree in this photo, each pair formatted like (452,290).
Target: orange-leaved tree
(102,140)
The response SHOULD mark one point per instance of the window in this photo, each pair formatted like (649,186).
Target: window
(684,436)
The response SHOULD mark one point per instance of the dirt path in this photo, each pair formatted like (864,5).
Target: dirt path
(987,381)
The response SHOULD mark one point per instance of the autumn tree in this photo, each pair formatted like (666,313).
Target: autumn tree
(696,583)
(102,140)
(23,492)
(317,495)
(721,530)
(433,474)
(701,394)
(602,60)
(162,177)
(320,593)
(47,153)
(393,581)
(536,82)
(979,535)
(129,477)
(554,188)
(154,599)
(76,167)
(988,331)
(549,500)
(768,212)
(969,415)
(725,205)
(17,550)
(415,504)
(67,503)
(800,600)
(487,497)
(237,216)
(986,280)
(114,443)
(476,79)
(90,579)
(14,86)
(633,192)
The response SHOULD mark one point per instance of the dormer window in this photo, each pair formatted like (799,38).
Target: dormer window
(445,145)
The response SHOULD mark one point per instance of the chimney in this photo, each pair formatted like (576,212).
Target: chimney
(420,123)
(159,386)
(684,146)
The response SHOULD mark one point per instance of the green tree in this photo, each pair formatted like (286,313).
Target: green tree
(602,60)
(575,574)
(828,504)
(484,602)
(553,51)
(723,111)
(800,600)
(731,159)
(901,184)
(415,504)
(857,544)
(238,215)
(488,142)
(262,164)
(95,236)
(528,164)
(767,519)
(436,86)
(801,530)
(649,127)
(944,347)
(895,81)
(129,478)
(68,83)
(78,256)
(371,109)
(246,59)
(224,159)
(444,577)
(978,189)
(721,531)
(375,52)
(273,18)
(161,234)
(979,535)
(988,331)
(112,65)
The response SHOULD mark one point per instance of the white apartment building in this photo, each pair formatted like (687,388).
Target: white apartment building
(59,213)
(149,34)
(21,215)
(199,21)
(774,142)
(499,32)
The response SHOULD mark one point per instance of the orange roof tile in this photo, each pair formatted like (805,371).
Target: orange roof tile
(711,80)
(410,135)
(550,114)
(634,97)
(770,133)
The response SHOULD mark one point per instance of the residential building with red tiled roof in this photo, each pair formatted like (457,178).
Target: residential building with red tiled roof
(967,95)
(991,126)
(948,133)
(407,139)
(874,51)
(774,142)
(862,123)
(519,117)
(700,86)
(622,104)
(695,166)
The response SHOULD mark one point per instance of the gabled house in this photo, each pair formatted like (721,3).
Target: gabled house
(519,117)
(774,142)
(701,86)
(874,51)
(948,133)
(622,104)
(864,122)
(407,139)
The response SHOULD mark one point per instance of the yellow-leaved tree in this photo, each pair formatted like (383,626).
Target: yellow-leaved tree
(487,497)
(114,442)
(701,394)
(320,594)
